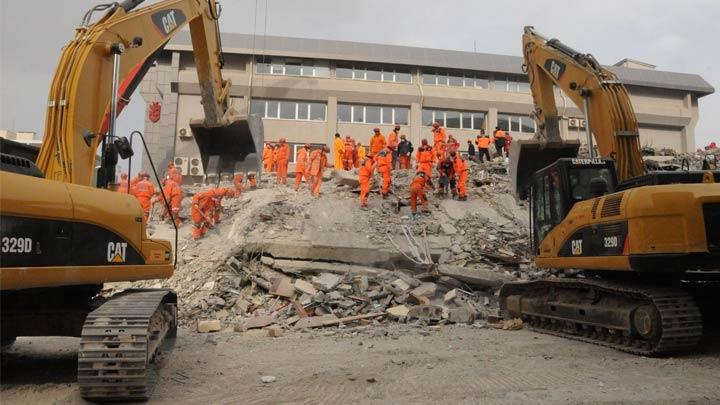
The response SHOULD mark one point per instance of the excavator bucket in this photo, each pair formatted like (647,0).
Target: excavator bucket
(229,148)
(529,156)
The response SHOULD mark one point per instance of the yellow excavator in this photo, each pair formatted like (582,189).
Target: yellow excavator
(648,242)
(64,233)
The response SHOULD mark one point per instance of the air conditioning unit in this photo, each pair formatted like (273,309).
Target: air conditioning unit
(572,123)
(196,167)
(184,133)
(182,164)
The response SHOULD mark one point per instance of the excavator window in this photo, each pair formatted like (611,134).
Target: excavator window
(580,179)
(547,203)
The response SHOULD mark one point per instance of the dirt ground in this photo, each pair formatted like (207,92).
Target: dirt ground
(383,364)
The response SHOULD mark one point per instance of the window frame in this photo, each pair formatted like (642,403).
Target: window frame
(382,108)
(443,118)
(520,120)
(297,104)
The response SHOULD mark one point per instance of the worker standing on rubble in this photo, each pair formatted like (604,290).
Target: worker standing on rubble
(446,169)
(452,144)
(377,142)
(471,150)
(135,180)
(384,166)
(302,163)
(404,152)
(338,152)
(217,196)
(461,174)
(318,163)
(425,158)
(174,196)
(282,161)
(440,151)
(123,184)
(508,141)
(365,173)
(238,180)
(174,173)
(439,137)
(417,191)
(483,144)
(252,180)
(267,157)
(361,153)
(394,139)
(499,137)
(201,213)
(349,153)
(144,192)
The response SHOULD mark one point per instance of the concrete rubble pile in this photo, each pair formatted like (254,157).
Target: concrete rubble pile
(285,260)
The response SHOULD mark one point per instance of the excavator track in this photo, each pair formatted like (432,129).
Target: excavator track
(120,341)
(670,318)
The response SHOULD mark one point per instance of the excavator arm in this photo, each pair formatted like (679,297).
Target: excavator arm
(78,110)
(596,91)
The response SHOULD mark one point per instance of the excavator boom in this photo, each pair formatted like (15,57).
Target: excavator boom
(596,91)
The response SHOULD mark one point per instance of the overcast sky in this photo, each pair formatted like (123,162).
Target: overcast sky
(679,36)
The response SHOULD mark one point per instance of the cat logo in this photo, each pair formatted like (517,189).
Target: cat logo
(576,247)
(555,68)
(168,20)
(116,252)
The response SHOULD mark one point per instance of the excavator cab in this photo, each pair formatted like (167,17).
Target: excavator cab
(556,188)
(531,155)
(229,148)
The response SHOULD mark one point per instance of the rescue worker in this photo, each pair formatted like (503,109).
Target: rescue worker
(361,152)
(275,156)
(508,141)
(365,173)
(394,139)
(417,191)
(348,154)
(446,169)
(452,144)
(123,184)
(384,167)
(252,180)
(439,134)
(377,142)
(404,152)
(134,181)
(338,152)
(440,151)
(174,196)
(267,157)
(461,175)
(471,150)
(201,213)
(318,163)
(425,158)
(282,161)
(238,180)
(174,173)
(483,144)
(217,196)
(144,191)
(499,136)
(302,164)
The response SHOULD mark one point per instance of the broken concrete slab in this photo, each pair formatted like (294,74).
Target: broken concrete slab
(259,322)
(346,178)
(283,287)
(326,281)
(210,325)
(410,280)
(450,296)
(314,321)
(426,289)
(274,330)
(428,313)
(304,287)
(475,276)
(461,315)
(448,228)
(399,311)
(401,285)
(339,252)
(313,267)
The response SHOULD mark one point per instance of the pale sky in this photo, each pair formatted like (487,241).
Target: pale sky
(675,36)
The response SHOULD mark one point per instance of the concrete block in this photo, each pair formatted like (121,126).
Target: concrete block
(274,330)
(305,287)
(448,228)
(400,311)
(283,287)
(425,289)
(428,313)
(314,321)
(475,276)
(210,325)
(346,178)
(259,322)
(450,296)
(401,285)
(461,315)
(326,281)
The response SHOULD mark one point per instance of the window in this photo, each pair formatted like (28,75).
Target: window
(429,77)
(372,114)
(512,83)
(455,79)
(289,67)
(289,110)
(454,119)
(378,73)
(516,123)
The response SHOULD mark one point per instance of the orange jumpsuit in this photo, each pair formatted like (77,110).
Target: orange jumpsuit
(384,166)
(439,151)
(133,182)
(365,173)
(377,143)
(238,182)
(282,160)
(338,153)
(267,158)
(318,163)
(393,138)
(348,155)
(452,145)
(425,160)
(361,152)
(461,171)
(439,135)
(123,186)
(274,157)
(217,195)
(252,180)
(301,166)
(201,213)
(144,191)
(174,195)
(417,191)
(175,175)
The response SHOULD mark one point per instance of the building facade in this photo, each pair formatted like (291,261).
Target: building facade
(306,90)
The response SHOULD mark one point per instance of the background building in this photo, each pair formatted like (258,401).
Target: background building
(308,89)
